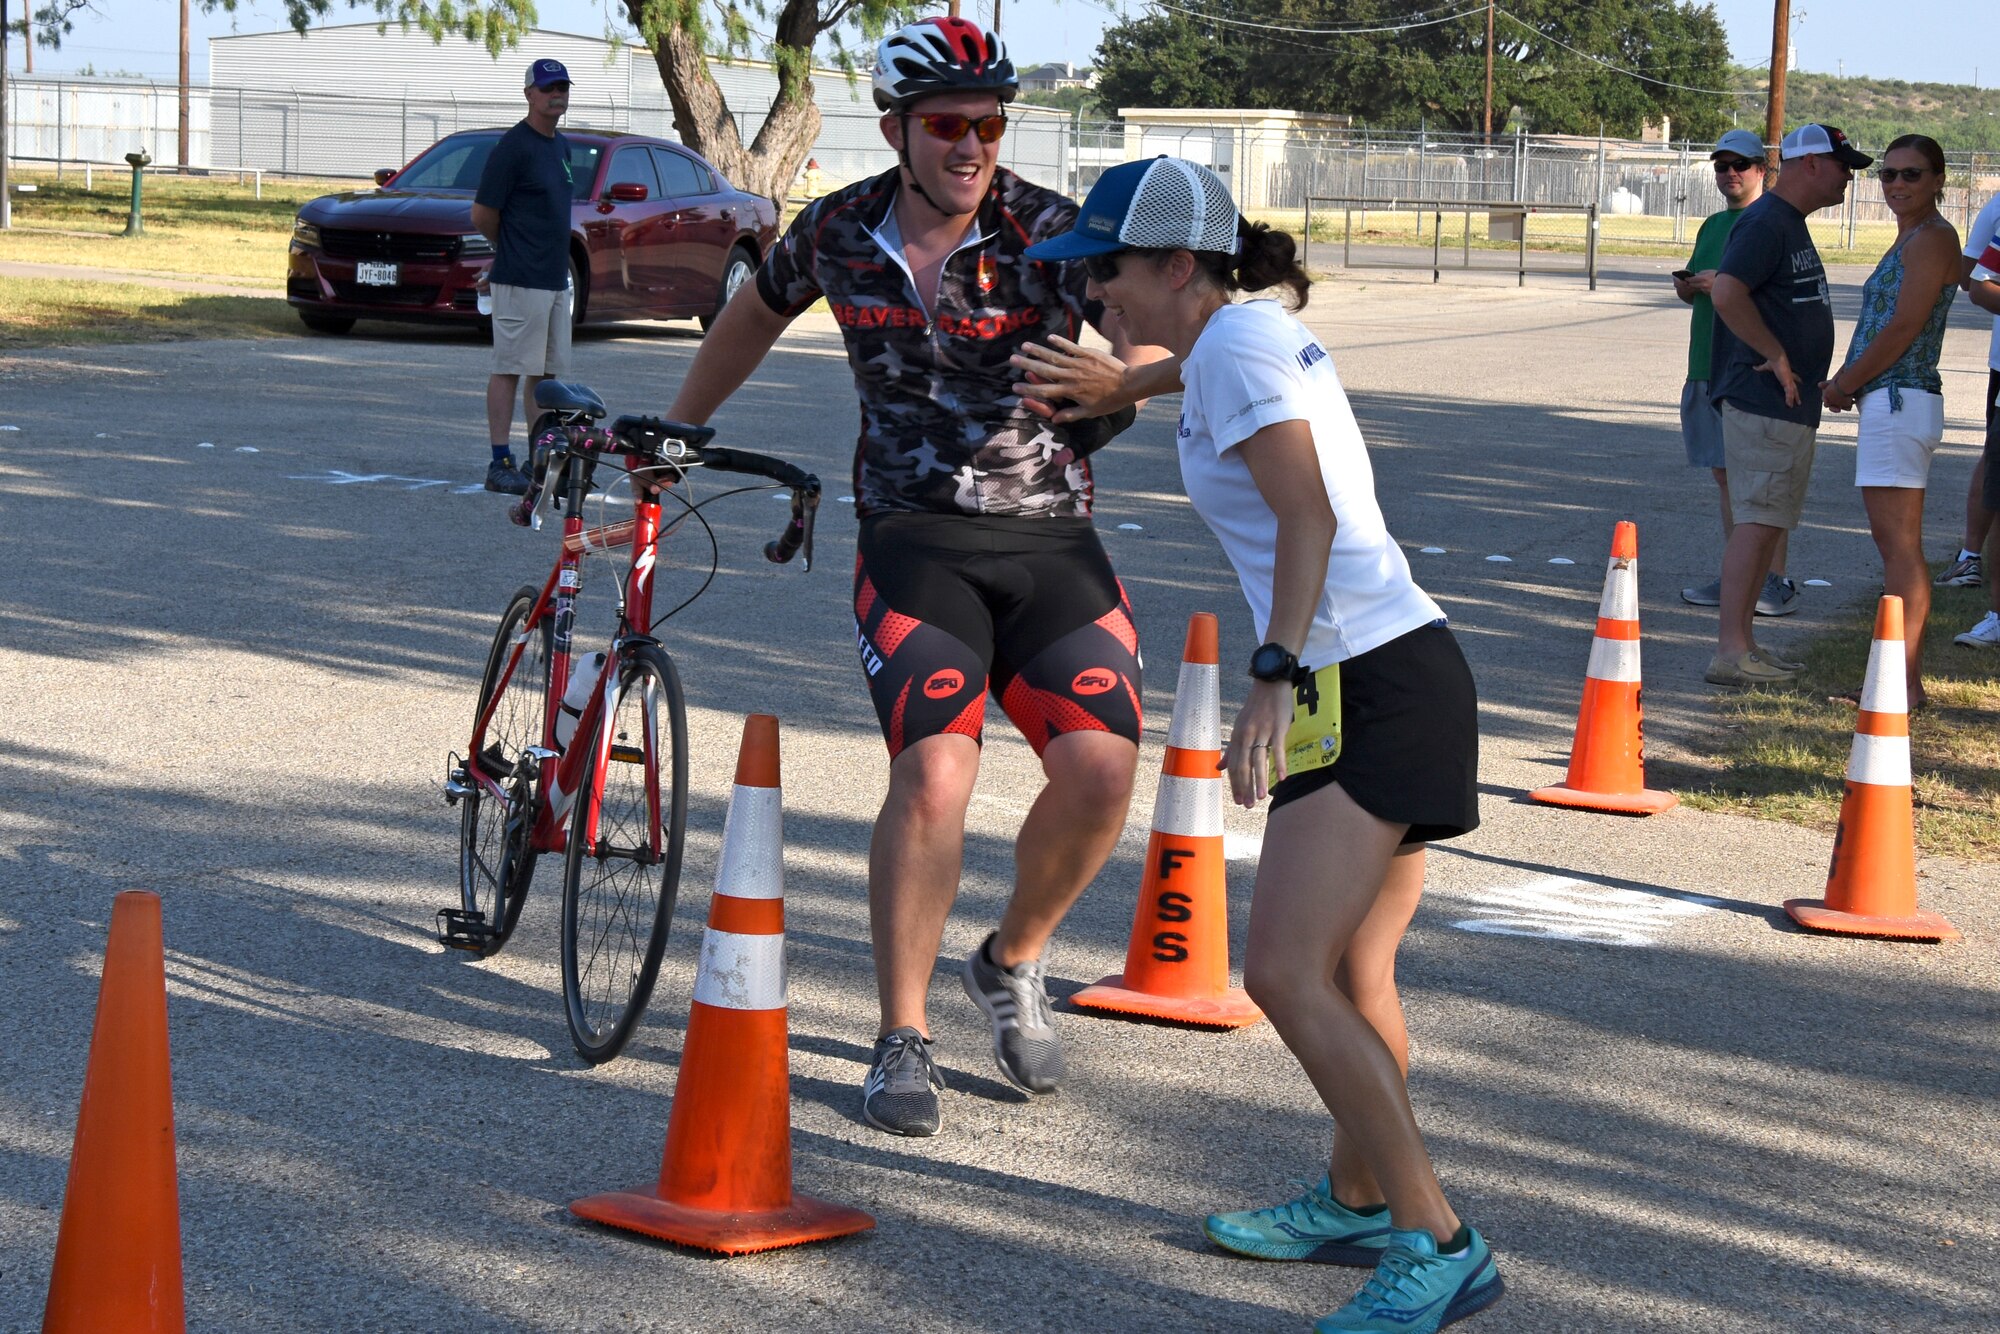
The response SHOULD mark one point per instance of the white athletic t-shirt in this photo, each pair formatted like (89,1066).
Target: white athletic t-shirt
(1254,365)
(1977,239)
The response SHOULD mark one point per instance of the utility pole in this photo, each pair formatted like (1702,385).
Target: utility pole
(1774,114)
(6,194)
(954,9)
(1489,72)
(183,158)
(996,14)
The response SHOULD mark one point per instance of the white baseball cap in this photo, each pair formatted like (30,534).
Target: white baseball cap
(1813,138)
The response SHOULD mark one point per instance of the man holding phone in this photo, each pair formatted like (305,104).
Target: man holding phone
(1739,163)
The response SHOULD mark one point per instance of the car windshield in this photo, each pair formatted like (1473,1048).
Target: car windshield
(455,164)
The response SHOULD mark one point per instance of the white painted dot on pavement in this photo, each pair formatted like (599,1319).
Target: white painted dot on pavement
(1130,528)
(847,500)
(1242,847)
(9,428)
(104,435)
(1561,560)
(1818,583)
(206,444)
(1501,560)
(1433,551)
(248,449)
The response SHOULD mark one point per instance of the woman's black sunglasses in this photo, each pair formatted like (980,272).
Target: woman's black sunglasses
(1910,174)
(1101,268)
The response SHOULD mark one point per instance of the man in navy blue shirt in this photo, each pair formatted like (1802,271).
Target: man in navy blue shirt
(523,208)
(1773,346)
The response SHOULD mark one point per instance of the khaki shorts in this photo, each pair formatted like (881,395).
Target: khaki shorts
(1770,462)
(530,331)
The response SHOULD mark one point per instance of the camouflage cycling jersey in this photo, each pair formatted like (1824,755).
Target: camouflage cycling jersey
(941,429)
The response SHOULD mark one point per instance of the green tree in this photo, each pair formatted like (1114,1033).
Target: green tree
(1435,73)
(682,35)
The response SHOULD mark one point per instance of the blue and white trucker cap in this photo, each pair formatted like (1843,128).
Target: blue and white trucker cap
(1166,203)
(545,72)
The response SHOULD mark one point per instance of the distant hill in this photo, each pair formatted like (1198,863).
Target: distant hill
(1874,111)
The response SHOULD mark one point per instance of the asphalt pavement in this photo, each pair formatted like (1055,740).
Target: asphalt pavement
(248,590)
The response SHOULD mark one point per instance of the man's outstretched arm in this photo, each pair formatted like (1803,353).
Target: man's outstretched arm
(735,346)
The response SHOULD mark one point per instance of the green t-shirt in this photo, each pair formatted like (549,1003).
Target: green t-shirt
(1709,243)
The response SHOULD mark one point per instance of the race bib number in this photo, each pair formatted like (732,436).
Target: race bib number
(1313,739)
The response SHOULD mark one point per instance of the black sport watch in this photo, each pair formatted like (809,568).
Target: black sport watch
(1274,662)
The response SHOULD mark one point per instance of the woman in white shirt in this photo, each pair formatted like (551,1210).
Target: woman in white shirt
(1360,724)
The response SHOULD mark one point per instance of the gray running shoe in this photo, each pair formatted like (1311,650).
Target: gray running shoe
(1025,1045)
(1708,595)
(504,477)
(900,1093)
(1779,598)
(1962,573)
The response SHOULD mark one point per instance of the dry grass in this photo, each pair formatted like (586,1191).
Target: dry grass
(1781,755)
(195,225)
(44,312)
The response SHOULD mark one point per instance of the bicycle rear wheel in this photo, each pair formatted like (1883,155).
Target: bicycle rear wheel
(495,860)
(619,889)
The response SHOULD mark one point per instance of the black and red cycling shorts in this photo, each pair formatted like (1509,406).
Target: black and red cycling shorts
(948,607)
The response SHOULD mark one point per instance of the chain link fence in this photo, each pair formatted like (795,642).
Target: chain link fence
(294,133)
(1648,196)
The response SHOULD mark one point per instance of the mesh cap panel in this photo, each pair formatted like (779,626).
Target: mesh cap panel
(1180,205)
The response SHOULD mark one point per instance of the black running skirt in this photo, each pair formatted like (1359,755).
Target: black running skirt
(1409,750)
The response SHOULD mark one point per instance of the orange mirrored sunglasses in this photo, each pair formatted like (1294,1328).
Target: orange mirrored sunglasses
(951,127)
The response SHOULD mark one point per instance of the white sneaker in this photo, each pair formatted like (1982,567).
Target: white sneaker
(1986,634)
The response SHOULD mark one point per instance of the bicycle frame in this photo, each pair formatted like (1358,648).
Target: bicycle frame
(563,770)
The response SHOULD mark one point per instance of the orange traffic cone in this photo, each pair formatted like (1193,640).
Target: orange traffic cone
(118,1250)
(1871,887)
(1607,760)
(726,1177)
(1177,965)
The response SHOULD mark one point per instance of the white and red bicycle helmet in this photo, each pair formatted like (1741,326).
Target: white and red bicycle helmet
(941,55)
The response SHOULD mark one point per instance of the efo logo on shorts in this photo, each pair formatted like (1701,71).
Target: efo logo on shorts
(943,684)
(1093,681)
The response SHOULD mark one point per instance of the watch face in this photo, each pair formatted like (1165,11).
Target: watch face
(1272,662)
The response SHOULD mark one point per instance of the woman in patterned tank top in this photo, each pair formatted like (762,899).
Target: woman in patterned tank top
(1891,374)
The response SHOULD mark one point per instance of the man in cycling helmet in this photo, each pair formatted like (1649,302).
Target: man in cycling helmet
(978,570)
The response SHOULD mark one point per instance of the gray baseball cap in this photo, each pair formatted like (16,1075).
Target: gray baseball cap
(1743,143)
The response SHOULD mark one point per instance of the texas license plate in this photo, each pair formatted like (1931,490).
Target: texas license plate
(376,275)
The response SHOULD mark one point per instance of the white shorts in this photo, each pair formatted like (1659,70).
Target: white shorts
(530,331)
(1894,448)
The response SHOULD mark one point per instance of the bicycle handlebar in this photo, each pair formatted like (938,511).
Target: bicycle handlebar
(647,441)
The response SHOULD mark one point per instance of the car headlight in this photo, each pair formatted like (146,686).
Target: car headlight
(472,245)
(305,233)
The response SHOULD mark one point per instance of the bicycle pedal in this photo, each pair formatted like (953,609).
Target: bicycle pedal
(457,782)
(461,930)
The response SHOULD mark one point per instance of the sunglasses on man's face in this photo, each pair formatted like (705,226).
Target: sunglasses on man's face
(1737,164)
(951,127)
(1101,268)
(1910,174)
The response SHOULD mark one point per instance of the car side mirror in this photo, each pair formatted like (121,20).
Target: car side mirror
(383,175)
(626,192)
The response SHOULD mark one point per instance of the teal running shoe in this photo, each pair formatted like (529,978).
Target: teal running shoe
(1417,1291)
(1313,1227)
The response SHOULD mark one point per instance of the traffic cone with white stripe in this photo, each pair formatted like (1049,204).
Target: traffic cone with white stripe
(1607,760)
(1871,886)
(1177,965)
(726,1177)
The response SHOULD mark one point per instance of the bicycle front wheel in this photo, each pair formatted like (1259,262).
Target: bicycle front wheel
(619,886)
(495,858)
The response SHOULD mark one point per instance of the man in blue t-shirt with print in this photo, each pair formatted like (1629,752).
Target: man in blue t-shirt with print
(1773,347)
(523,208)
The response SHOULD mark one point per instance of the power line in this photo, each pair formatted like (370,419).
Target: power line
(1414,23)
(1619,69)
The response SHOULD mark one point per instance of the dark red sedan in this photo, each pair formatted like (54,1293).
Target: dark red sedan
(656,233)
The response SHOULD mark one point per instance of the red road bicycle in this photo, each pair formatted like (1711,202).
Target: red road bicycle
(593,767)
